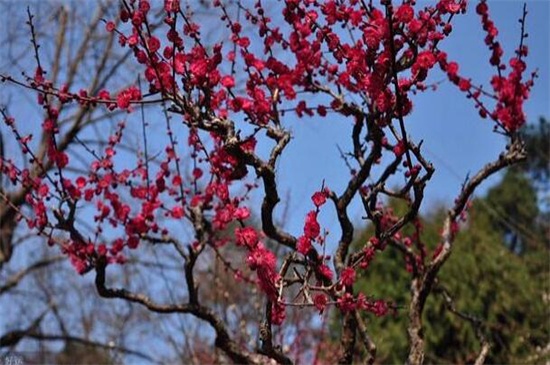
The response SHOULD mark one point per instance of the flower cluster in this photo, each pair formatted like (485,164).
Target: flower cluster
(510,92)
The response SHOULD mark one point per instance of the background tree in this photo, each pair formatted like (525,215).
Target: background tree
(496,289)
(41,300)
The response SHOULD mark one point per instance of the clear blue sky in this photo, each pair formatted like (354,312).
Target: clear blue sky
(457,140)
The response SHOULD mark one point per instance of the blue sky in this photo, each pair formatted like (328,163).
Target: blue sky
(456,139)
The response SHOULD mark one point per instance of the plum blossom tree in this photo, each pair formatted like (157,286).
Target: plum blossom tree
(207,122)
(36,306)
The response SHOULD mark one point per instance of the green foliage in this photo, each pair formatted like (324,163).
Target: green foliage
(486,280)
(512,206)
(491,283)
(485,276)
(537,142)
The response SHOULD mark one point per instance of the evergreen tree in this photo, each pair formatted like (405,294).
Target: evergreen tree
(499,273)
